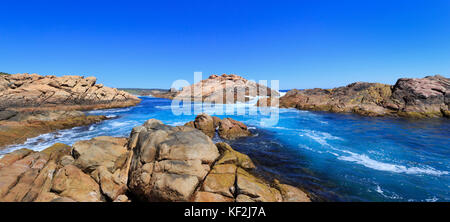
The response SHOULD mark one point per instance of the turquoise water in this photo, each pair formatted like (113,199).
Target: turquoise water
(335,157)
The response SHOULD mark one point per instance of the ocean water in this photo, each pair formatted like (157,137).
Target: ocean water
(335,157)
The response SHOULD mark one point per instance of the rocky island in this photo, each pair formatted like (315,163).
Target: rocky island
(225,88)
(409,97)
(31,104)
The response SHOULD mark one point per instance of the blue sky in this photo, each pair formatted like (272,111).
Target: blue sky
(304,44)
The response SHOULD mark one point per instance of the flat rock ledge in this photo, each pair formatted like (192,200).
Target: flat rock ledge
(156,163)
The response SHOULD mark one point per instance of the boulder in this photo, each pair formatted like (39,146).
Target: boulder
(205,123)
(227,128)
(72,183)
(105,151)
(231,129)
(169,162)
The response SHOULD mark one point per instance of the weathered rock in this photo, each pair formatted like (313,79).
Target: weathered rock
(105,151)
(11,174)
(31,104)
(220,183)
(32,90)
(210,197)
(255,188)
(10,158)
(224,89)
(418,98)
(164,164)
(227,128)
(428,96)
(230,156)
(27,175)
(71,182)
(291,194)
(232,129)
(110,184)
(14,132)
(169,162)
(205,123)
(7,114)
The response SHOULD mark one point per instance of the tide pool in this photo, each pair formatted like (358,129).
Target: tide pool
(337,157)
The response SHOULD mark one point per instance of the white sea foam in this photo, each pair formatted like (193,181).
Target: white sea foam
(377,165)
(433,199)
(382,192)
(122,123)
(104,111)
(319,137)
(362,159)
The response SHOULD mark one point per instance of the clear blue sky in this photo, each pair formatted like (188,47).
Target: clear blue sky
(303,44)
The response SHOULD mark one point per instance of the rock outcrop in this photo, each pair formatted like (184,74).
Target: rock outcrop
(31,104)
(157,163)
(224,89)
(16,127)
(182,164)
(227,128)
(33,90)
(90,171)
(426,97)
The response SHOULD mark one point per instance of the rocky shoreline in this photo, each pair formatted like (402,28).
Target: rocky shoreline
(31,104)
(156,163)
(413,98)
(427,97)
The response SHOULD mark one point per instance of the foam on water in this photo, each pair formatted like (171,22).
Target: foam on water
(377,165)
